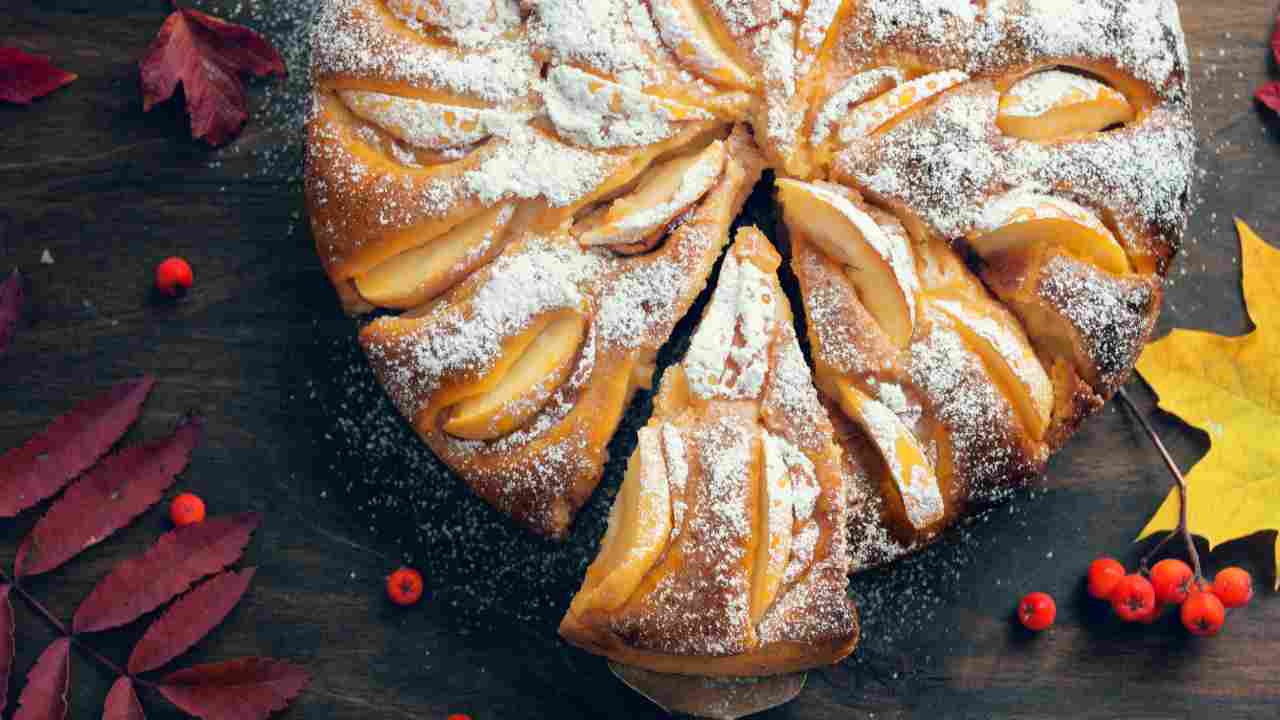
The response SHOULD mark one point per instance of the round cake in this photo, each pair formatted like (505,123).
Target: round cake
(980,200)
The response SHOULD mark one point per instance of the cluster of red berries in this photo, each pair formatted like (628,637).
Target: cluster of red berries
(1140,597)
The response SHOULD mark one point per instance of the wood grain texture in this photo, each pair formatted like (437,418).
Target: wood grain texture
(261,350)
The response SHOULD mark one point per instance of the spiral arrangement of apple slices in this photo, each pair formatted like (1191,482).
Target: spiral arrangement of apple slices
(524,197)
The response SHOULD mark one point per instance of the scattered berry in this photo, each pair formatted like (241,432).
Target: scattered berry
(1133,598)
(1104,574)
(404,586)
(186,509)
(1203,614)
(1037,611)
(173,277)
(459,716)
(1172,580)
(1233,586)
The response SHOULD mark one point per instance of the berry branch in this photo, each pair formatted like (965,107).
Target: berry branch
(60,627)
(1183,529)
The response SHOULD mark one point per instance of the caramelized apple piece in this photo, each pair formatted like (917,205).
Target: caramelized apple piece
(871,116)
(423,124)
(415,276)
(994,335)
(543,365)
(639,529)
(879,263)
(774,525)
(909,468)
(858,89)
(1055,104)
(699,42)
(1022,218)
(589,110)
(662,194)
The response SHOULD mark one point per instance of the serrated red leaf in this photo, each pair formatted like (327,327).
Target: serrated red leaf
(69,446)
(243,689)
(188,620)
(179,558)
(25,77)
(108,497)
(207,55)
(6,644)
(122,702)
(1269,95)
(1275,40)
(45,696)
(11,299)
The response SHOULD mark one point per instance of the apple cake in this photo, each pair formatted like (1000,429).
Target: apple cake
(522,198)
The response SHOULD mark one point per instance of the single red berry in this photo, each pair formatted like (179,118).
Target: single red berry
(186,509)
(1233,586)
(1037,611)
(1104,574)
(459,716)
(404,586)
(174,277)
(1172,580)
(1133,598)
(1203,614)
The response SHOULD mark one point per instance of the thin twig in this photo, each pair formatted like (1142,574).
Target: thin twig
(1183,529)
(60,627)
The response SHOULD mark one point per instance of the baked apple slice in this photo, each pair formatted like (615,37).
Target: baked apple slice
(995,336)
(878,263)
(544,358)
(423,124)
(874,115)
(1055,103)
(909,467)
(416,276)
(592,111)
(774,524)
(699,42)
(639,529)
(1020,219)
(662,194)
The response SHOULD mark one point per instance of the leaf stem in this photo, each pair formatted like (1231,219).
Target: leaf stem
(1183,529)
(59,626)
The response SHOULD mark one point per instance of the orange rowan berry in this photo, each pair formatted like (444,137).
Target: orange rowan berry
(174,277)
(404,586)
(186,509)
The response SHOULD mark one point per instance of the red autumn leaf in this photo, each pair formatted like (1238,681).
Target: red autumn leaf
(72,443)
(6,644)
(122,702)
(188,620)
(243,689)
(25,77)
(45,696)
(179,558)
(11,297)
(1275,40)
(207,55)
(108,497)
(1269,95)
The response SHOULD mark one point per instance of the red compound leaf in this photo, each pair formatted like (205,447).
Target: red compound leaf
(6,644)
(69,446)
(122,702)
(207,55)
(1275,40)
(1269,95)
(188,620)
(45,696)
(178,559)
(243,689)
(110,496)
(11,299)
(25,77)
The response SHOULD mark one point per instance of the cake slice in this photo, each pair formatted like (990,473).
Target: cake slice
(726,550)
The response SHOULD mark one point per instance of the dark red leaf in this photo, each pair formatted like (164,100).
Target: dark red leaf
(188,620)
(1269,95)
(179,558)
(108,497)
(1275,40)
(122,702)
(11,297)
(70,444)
(24,77)
(243,689)
(6,644)
(45,696)
(207,55)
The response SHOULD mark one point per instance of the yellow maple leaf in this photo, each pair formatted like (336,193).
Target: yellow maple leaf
(1230,388)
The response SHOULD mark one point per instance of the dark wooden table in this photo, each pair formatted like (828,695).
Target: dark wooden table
(298,431)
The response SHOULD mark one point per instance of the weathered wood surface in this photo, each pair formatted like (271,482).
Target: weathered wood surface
(262,350)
